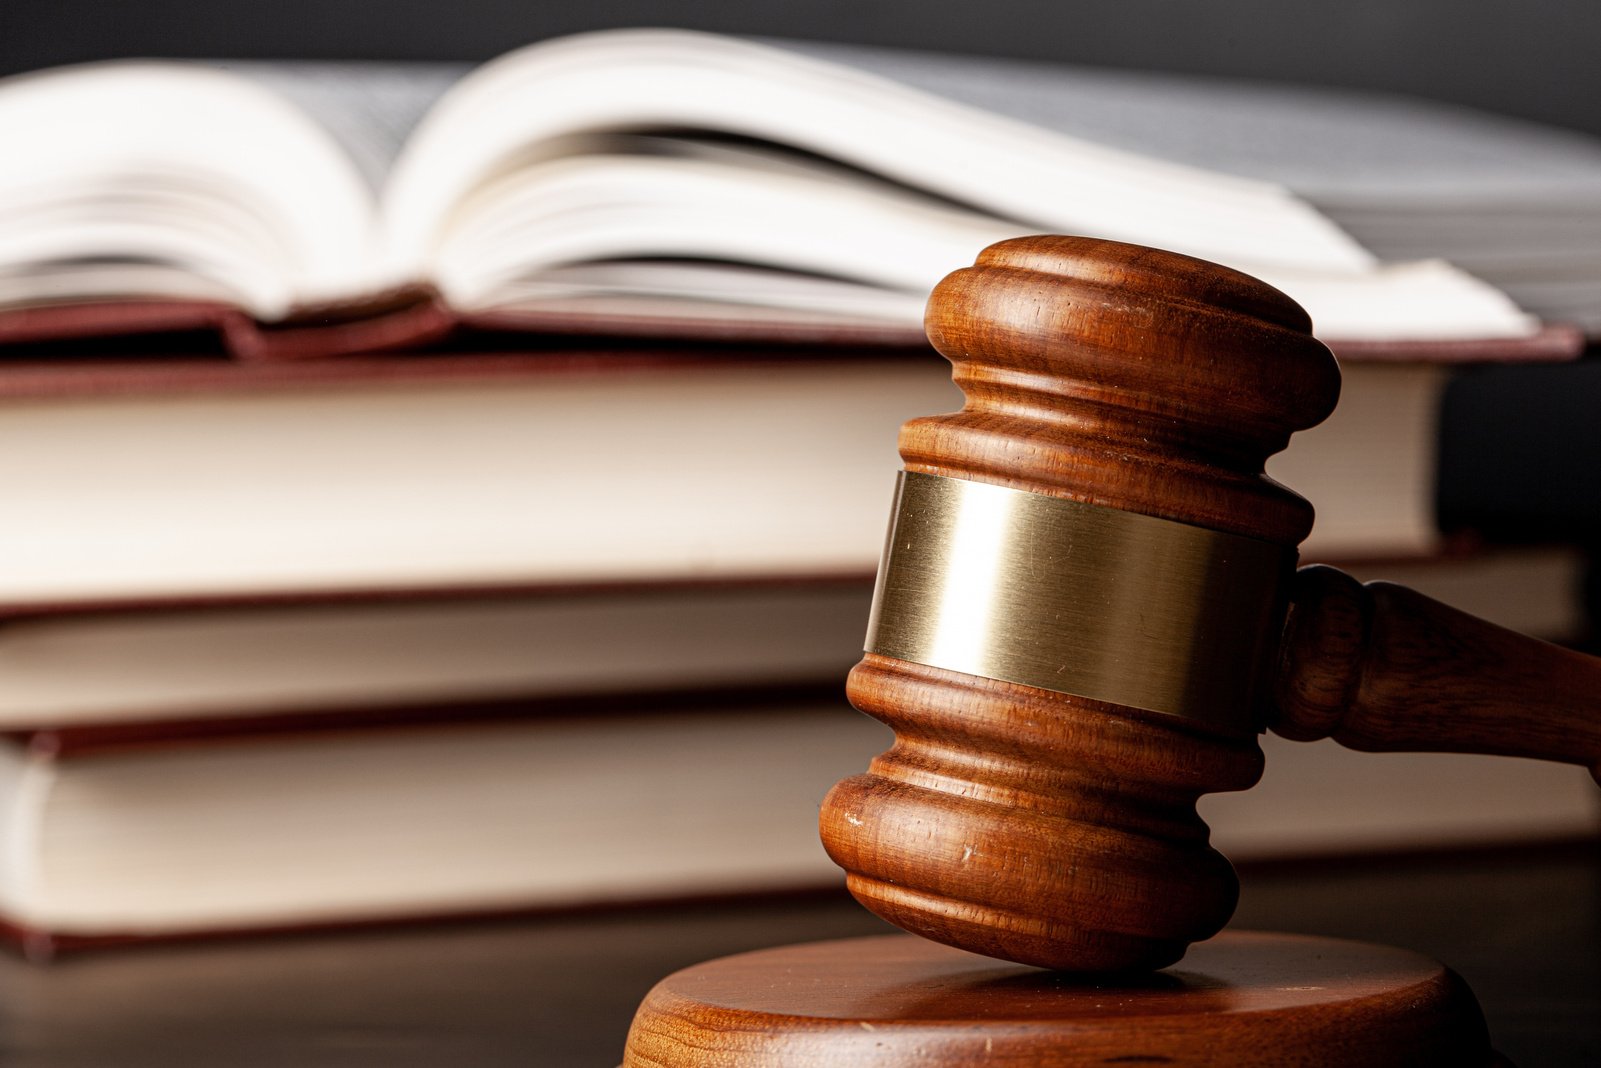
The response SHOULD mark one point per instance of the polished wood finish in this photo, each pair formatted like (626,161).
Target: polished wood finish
(1031,824)
(1241,999)
(1382,668)
(1052,829)
(558,991)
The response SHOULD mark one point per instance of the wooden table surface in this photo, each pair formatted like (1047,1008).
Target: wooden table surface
(1522,927)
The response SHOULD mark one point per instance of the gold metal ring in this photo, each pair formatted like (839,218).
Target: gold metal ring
(1085,600)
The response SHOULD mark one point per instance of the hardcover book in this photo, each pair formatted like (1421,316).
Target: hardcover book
(111,840)
(660,182)
(154,833)
(270,663)
(557,472)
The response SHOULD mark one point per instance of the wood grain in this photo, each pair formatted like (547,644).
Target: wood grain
(1383,668)
(1242,999)
(1026,823)
(1052,829)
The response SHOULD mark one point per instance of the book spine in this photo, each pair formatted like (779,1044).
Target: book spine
(24,330)
(398,320)
(404,318)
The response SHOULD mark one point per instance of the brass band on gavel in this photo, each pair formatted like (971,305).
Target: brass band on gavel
(1067,596)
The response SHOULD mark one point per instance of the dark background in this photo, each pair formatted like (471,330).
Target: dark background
(1535,58)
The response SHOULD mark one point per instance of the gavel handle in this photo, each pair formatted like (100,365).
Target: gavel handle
(1381,668)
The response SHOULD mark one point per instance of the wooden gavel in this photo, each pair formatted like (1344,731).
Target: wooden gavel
(1088,607)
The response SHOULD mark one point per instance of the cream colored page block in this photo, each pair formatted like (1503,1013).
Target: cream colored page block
(96,669)
(1369,468)
(547,813)
(631,476)
(1319,797)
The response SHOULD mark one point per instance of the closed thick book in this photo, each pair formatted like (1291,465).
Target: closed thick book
(667,182)
(272,663)
(205,479)
(260,664)
(154,833)
(160,836)
(550,473)
(1319,798)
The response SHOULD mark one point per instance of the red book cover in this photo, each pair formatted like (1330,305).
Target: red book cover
(414,319)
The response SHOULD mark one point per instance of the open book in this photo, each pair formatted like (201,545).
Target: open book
(661,176)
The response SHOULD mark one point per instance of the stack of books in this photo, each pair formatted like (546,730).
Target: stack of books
(426,496)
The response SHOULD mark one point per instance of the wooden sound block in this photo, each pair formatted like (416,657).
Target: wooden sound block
(1240,999)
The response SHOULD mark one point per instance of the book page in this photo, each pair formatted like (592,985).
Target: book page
(665,288)
(632,197)
(156,168)
(647,80)
(1515,203)
(977,150)
(258,179)
(369,108)
(1326,144)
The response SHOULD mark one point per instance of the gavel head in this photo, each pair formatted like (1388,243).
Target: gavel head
(1079,604)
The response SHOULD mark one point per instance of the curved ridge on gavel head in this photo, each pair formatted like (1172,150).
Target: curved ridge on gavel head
(1079,603)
